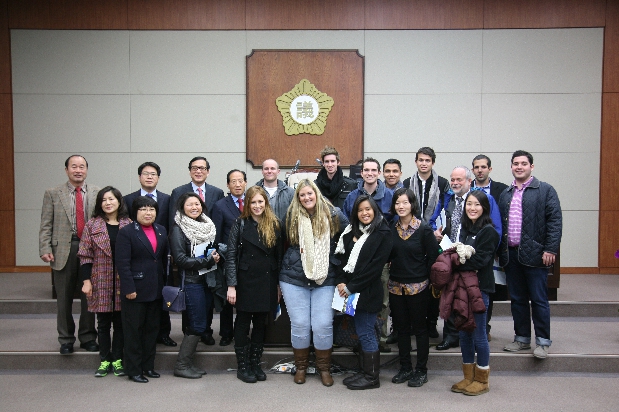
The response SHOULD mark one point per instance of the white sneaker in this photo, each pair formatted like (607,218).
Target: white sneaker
(540,352)
(516,346)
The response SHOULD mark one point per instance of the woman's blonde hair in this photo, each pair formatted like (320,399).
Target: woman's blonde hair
(323,209)
(269,223)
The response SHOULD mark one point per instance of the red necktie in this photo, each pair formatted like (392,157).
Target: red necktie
(79,211)
(241,204)
(200,193)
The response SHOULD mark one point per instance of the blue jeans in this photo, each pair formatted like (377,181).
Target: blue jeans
(364,324)
(528,283)
(476,341)
(310,311)
(198,299)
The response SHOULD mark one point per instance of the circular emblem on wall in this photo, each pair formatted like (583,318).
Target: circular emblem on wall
(304,109)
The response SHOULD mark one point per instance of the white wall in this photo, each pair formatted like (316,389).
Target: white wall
(121,98)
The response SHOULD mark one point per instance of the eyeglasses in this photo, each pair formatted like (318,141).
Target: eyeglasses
(196,168)
(152,174)
(147,210)
(237,181)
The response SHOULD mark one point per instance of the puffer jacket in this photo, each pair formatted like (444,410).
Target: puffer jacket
(542,223)
(292,267)
(283,198)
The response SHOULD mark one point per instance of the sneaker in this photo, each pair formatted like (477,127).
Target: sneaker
(104,368)
(541,351)
(418,379)
(516,346)
(117,365)
(402,376)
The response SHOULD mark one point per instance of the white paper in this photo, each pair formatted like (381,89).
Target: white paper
(499,274)
(200,251)
(345,305)
(446,243)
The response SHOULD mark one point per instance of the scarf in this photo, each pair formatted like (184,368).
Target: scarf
(330,188)
(433,196)
(356,249)
(197,232)
(314,250)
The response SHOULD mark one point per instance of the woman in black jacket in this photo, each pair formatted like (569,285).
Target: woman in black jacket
(307,277)
(193,230)
(477,231)
(141,249)
(415,249)
(365,246)
(252,268)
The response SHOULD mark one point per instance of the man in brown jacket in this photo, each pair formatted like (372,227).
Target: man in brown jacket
(65,210)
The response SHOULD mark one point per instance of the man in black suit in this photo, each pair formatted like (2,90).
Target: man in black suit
(482,168)
(148,174)
(199,169)
(224,213)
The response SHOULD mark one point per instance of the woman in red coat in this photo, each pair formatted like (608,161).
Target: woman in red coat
(101,282)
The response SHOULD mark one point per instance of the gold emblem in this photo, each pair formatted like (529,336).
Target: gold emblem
(304,109)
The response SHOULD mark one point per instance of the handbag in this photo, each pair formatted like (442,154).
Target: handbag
(174,297)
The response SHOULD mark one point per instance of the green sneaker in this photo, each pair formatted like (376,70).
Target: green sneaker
(104,368)
(118,367)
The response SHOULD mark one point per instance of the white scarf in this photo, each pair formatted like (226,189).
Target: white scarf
(197,232)
(354,254)
(314,250)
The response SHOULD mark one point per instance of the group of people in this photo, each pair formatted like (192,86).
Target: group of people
(260,244)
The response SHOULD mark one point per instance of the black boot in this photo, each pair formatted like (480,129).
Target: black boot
(359,374)
(254,359)
(371,371)
(244,371)
(184,360)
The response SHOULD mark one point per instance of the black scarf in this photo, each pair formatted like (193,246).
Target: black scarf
(330,188)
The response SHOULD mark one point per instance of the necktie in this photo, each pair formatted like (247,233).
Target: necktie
(455,219)
(200,193)
(241,204)
(79,211)
(152,196)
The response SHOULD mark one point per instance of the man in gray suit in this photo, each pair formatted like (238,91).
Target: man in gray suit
(65,210)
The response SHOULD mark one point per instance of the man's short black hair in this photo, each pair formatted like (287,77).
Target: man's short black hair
(370,160)
(151,164)
(428,151)
(208,165)
(66,162)
(393,162)
(519,153)
(481,157)
(236,170)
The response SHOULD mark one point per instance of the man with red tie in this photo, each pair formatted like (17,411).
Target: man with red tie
(66,208)
(224,213)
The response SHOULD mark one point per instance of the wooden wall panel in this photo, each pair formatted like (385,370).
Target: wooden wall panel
(88,14)
(7,240)
(5,49)
(305,15)
(611,48)
(270,74)
(609,156)
(29,14)
(424,14)
(524,14)
(7,184)
(608,239)
(186,14)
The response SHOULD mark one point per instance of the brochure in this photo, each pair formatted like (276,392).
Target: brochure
(345,305)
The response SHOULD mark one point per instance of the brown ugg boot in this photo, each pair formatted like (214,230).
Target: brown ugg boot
(469,371)
(323,363)
(301,362)
(480,382)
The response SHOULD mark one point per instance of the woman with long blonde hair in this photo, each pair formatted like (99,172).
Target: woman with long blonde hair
(252,268)
(307,279)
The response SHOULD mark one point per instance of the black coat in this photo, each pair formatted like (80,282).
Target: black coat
(180,246)
(256,276)
(139,267)
(365,279)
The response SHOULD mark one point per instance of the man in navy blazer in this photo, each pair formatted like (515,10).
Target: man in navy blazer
(148,174)
(199,169)
(223,214)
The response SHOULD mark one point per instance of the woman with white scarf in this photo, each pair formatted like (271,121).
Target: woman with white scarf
(307,277)
(193,228)
(364,248)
